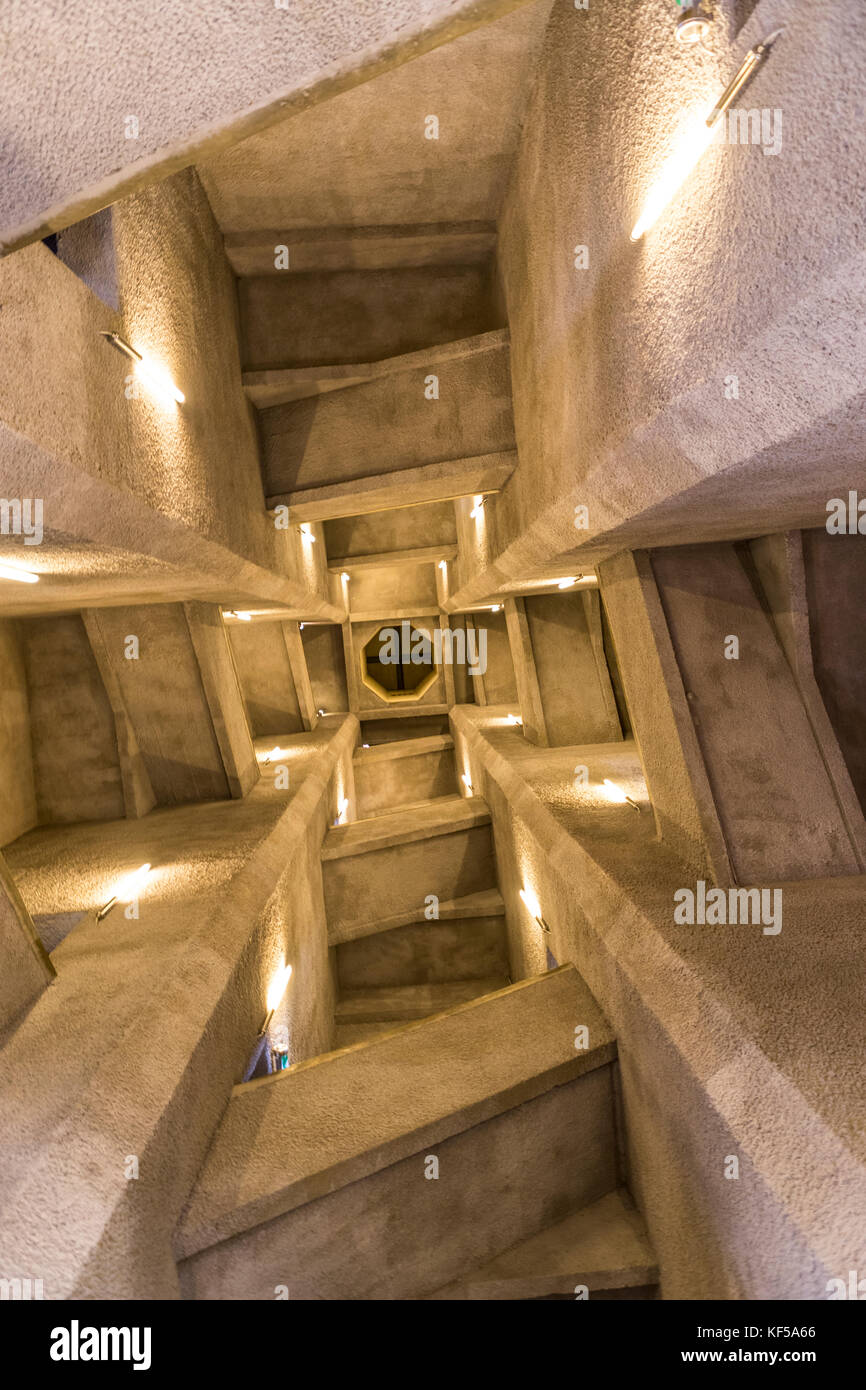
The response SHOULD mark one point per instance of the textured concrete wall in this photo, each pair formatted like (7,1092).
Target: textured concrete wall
(313,319)
(193,84)
(715,1032)
(26,967)
(404,528)
(388,424)
(373,165)
(164,696)
(836,587)
(265,676)
(18,803)
(173,1000)
(393,589)
(323,649)
(576,693)
(75,758)
(176,486)
(755,271)
(776,803)
(498,680)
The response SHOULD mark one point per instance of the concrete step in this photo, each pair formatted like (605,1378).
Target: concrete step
(321,1178)
(486,903)
(404,773)
(467,948)
(602,1247)
(397,1002)
(393,864)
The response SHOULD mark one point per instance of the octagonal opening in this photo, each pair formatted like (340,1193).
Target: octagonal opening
(397,663)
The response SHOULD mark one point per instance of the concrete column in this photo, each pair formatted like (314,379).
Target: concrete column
(528,693)
(26,966)
(138,794)
(300,674)
(223,694)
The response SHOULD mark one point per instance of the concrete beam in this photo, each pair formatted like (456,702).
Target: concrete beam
(300,674)
(223,694)
(361,248)
(528,693)
(429,482)
(297,57)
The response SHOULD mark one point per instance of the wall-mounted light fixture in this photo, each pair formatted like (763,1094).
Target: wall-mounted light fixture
(697,139)
(241,615)
(692,25)
(514,719)
(478,507)
(533,907)
(345,577)
(127,889)
(567,583)
(467,783)
(275,752)
(158,381)
(20,576)
(307,531)
(617,794)
(342,808)
(276,990)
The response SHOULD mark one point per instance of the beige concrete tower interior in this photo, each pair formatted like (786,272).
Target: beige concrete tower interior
(432,694)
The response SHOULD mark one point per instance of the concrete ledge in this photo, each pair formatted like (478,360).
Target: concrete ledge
(279,385)
(329,1122)
(485,904)
(427,482)
(404,827)
(404,748)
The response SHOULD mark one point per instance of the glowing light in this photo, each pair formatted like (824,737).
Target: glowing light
(275,752)
(277,987)
(20,576)
(307,532)
(154,377)
(125,890)
(696,139)
(533,906)
(344,576)
(567,583)
(443,565)
(158,381)
(617,794)
(478,508)
(466,782)
(698,133)
(514,719)
(495,607)
(342,808)
(242,617)
(693,26)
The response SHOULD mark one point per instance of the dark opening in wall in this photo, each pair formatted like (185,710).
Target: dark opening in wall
(87,248)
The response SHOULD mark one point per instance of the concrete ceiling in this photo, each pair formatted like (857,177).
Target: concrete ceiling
(362,159)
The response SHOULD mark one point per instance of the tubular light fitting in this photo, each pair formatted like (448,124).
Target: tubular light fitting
(159,381)
(617,794)
(514,719)
(276,990)
(567,583)
(478,507)
(700,135)
(443,565)
(533,907)
(466,782)
(20,576)
(126,890)
(306,531)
